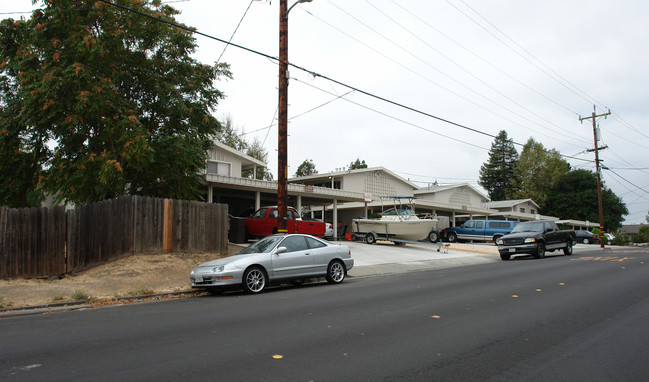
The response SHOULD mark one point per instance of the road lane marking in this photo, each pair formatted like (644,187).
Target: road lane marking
(603,258)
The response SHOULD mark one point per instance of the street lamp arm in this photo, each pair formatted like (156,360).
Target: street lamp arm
(296,3)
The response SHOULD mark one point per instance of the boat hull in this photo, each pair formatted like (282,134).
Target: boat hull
(414,230)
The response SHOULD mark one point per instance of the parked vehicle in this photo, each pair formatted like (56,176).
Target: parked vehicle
(274,258)
(479,230)
(264,223)
(535,237)
(397,224)
(329,231)
(585,237)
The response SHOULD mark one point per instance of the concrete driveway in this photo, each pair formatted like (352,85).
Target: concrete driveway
(387,258)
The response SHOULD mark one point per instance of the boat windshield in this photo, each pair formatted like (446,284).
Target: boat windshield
(399,212)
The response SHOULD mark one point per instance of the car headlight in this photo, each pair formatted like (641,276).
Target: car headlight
(530,240)
(218,269)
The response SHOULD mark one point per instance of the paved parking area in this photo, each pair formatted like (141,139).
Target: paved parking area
(386,257)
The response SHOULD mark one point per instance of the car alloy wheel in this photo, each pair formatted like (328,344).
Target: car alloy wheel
(335,272)
(254,280)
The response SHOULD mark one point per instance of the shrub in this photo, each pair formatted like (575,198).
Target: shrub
(80,295)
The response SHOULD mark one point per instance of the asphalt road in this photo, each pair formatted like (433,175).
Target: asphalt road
(560,318)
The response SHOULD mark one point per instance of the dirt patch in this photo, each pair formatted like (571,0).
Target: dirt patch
(129,276)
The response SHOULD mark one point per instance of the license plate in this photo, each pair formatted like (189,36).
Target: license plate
(512,250)
(198,279)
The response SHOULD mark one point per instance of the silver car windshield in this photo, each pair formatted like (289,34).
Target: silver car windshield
(264,245)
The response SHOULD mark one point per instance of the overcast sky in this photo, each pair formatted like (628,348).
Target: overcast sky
(529,68)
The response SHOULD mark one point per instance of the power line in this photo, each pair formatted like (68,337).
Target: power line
(555,76)
(314,74)
(473,76)
(235,30)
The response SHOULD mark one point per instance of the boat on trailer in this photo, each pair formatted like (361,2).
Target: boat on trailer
(399,223)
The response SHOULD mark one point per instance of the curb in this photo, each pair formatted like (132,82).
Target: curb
(77,305)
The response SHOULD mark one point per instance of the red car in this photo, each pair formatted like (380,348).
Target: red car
(264,223)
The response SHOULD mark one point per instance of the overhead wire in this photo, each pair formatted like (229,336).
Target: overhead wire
(235,31)
(554,75)
(477,78)
(380,98)
(451,78)
(425,22)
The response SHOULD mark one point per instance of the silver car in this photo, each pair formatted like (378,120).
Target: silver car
(274,258)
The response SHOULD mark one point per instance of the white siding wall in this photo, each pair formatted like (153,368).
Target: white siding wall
(222,156)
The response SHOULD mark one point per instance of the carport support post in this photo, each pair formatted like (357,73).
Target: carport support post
(299,205)
(335,221)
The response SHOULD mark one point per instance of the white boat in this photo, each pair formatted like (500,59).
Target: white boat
(399,223)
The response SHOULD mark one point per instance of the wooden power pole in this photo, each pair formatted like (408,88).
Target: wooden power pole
(594,117)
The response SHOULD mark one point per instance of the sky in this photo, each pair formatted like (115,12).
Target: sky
(422,87)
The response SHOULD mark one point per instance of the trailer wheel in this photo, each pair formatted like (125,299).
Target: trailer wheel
(370,238)
(433,236)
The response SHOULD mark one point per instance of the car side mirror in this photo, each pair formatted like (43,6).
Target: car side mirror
(281,250)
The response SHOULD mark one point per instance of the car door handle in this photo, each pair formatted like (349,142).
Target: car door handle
(307,254)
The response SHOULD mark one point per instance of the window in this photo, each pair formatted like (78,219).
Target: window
(313,243)
(294,244)
(478,224)
(290,214)
(260,214)
(522,210)
(533,212)
(219,168)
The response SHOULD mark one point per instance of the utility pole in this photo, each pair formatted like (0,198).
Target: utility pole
(282,144)
(282,118)
(594,116)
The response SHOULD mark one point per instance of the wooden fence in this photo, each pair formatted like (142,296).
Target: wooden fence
(40,242)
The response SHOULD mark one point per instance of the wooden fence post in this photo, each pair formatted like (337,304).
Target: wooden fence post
(167,226)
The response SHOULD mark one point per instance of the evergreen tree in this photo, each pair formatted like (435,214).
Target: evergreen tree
(497,174)
(357,164)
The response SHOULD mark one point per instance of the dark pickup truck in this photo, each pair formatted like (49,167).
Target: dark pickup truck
(535,237)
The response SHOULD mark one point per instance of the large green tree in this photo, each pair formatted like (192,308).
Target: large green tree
(97,101)
(537,171)
(306,168)
(574,196)
(497,174)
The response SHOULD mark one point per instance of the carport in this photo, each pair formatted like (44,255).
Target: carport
(222,189)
